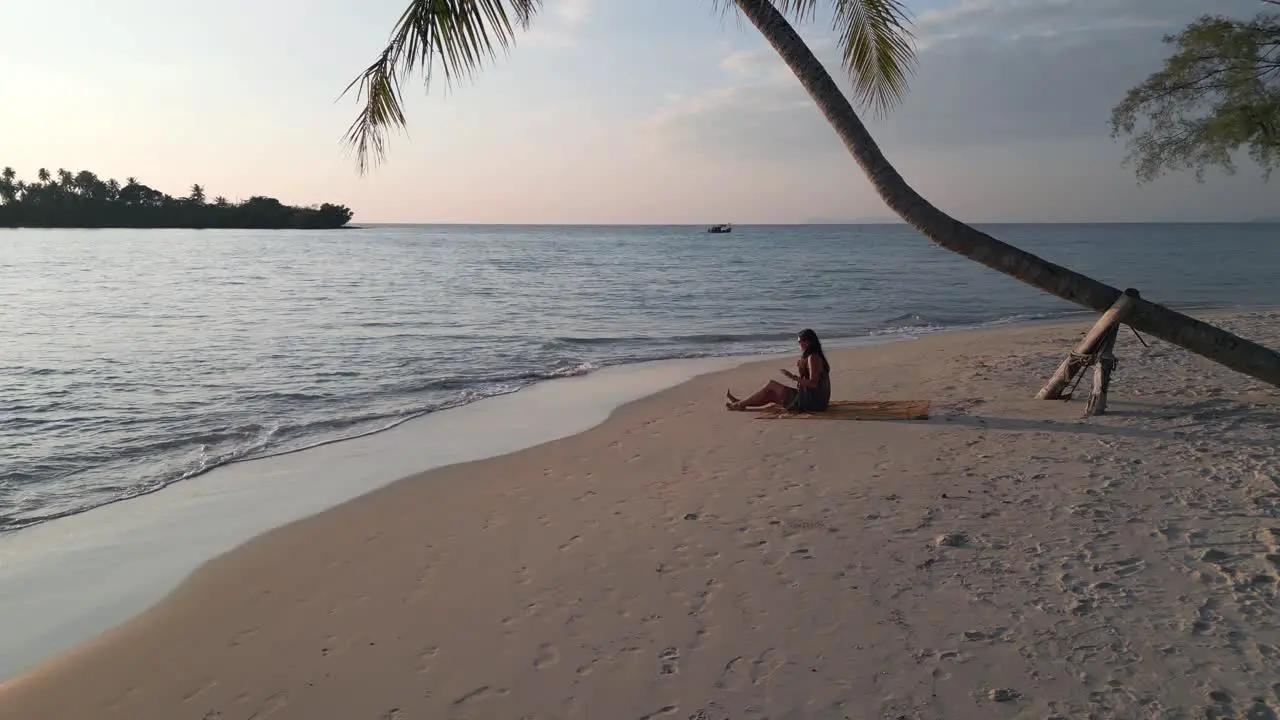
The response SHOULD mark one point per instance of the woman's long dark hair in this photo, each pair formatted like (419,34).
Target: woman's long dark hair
(813,346)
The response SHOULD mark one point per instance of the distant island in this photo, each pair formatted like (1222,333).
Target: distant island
(83,200)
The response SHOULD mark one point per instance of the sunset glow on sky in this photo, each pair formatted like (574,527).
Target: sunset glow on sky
(607,112)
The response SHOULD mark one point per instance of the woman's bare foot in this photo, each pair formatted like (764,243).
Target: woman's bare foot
(735,406)
(729,395)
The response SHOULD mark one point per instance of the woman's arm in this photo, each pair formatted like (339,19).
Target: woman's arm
(815,373)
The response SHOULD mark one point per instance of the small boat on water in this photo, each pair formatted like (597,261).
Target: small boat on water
(725,228)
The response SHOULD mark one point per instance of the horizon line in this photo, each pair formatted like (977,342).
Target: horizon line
(411,223)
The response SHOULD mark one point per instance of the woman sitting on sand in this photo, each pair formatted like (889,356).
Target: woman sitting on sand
(813,385)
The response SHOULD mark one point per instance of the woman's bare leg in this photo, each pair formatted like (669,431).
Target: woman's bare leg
(773,392)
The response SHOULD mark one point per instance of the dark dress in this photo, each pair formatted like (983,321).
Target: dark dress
(816,399)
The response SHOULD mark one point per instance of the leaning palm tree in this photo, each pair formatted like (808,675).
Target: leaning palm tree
(457,37)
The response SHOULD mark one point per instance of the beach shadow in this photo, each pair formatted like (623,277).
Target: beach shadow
(1149,404)
(1004,424)
(1266,408)
(1238,416)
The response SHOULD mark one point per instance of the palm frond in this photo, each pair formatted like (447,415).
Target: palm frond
(455,36)
(876,44)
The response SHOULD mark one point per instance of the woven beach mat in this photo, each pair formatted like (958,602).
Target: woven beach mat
(857,410)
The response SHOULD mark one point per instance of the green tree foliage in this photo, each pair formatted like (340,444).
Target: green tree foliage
(84,200)
(1218,94)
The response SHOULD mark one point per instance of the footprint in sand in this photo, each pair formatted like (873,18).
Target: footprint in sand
(701,636)
(1206,617)
(273,703)
(1221,705)
(670,658)
(1127,567)
(546,656)
(484,692)
(733,675)
(426,660)
(1215,556)
(994,635)
(739,672)
(764,667)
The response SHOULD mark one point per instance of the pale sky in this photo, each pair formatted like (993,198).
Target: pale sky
(609,111)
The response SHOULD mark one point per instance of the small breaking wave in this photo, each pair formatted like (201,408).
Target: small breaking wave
(215,449)
(669,340)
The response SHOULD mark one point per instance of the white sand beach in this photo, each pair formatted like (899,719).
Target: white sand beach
(1004,559)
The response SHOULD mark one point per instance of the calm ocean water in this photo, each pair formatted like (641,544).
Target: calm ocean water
(135,359)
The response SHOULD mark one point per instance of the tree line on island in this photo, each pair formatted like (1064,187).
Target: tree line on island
(84,200)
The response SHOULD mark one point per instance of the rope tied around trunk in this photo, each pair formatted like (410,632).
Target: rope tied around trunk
(1086,361)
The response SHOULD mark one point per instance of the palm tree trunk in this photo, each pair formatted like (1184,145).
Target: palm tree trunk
(1198,337)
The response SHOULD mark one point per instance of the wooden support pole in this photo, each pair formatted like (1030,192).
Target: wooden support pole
(1102,367)
(1080,357)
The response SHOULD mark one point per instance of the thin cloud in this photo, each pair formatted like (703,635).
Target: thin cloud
(744,63)
(574,12)
(562,26)
(991,72)
(1002,20)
